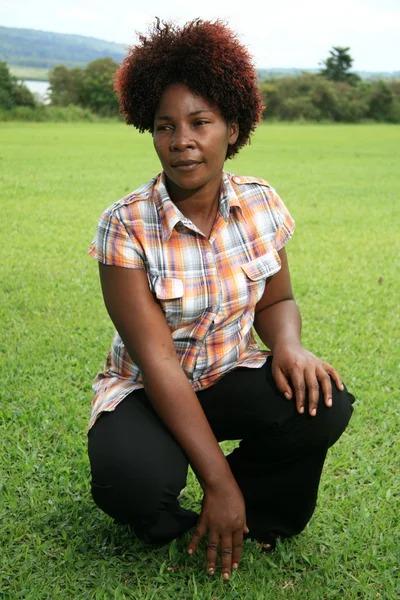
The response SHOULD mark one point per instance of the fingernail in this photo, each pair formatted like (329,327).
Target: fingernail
(225,576)
(301,409)
(235,566)
(329,401)
(287,395)
(314,412)
(211,571)
(341,386)
(190,551)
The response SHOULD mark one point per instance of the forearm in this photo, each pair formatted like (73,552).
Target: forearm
(177,405)
(279,324)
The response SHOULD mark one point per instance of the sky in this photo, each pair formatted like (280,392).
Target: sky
(279,34)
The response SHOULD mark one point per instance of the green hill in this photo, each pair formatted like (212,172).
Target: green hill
(31,53)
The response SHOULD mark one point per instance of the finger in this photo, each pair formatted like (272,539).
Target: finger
(335,376)
(197,536)
(299,386)
(312,390)
(237,543)
(246,529)
(326,386)
(282,384)
(226,556)
(212,549)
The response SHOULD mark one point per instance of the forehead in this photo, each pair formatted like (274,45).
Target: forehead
(177,98)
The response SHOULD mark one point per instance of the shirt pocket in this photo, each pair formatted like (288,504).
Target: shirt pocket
(184,302)
(169,292)
(258,271)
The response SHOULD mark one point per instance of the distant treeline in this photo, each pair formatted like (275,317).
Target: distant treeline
(314,98)
(334,94)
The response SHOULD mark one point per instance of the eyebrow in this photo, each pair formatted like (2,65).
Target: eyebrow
(192,114)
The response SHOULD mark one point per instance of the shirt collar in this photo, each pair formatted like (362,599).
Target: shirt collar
(170,215)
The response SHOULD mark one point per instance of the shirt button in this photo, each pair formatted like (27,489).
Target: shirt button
(236,179)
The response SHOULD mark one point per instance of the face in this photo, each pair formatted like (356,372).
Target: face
(191,139)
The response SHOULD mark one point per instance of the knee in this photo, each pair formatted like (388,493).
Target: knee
(123,493)
(333,420)
(125,488)
(152,510)
(123,499)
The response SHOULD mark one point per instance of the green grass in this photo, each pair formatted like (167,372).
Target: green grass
(30,73)
(341,184)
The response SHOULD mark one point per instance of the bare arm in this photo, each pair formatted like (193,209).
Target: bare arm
(277,318)
(142,326)
(278,323)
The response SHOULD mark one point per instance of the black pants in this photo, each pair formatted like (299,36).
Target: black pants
(138,469)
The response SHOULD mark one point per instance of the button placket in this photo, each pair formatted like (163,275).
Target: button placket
(212,277)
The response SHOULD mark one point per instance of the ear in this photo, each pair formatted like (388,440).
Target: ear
(233,132)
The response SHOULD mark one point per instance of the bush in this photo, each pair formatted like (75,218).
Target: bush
(300,108)
(22,96)
(381,99)
(271,98)
(43,113)
(312,97)
(13,93)
(351,107)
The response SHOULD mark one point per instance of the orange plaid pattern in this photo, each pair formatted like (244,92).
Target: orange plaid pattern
(207,287)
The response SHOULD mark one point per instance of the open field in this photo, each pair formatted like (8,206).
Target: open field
(30,73)
(342,185)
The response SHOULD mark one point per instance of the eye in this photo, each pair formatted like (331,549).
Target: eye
(201,122)
(163,127)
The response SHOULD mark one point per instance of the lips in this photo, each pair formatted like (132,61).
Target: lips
(186,165)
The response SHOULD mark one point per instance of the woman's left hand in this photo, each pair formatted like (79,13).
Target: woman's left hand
(306,373)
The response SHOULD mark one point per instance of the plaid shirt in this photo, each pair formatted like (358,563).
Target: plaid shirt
(207,287)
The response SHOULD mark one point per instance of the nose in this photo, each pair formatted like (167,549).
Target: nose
(182,139)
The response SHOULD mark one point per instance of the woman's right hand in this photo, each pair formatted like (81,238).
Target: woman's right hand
(223,517)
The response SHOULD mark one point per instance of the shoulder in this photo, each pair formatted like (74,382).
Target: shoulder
(253,191)
(133,202)
(261,203)
(247,180)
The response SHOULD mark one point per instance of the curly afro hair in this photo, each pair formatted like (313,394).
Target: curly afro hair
(204,55)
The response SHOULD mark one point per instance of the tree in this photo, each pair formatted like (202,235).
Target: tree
(98,87)
(65,85)
(13,93)
(6,87)
(338,65)
(92,87)
(381,101)
(23,96)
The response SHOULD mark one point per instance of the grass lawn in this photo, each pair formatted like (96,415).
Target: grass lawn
(341,184)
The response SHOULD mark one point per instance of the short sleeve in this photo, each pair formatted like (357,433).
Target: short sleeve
(113,245)
(285,223)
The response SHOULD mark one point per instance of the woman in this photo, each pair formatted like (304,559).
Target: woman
(189,263)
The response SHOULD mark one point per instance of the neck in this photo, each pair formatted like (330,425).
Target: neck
(195,204)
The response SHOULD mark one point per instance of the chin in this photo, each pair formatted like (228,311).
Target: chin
(187,181)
